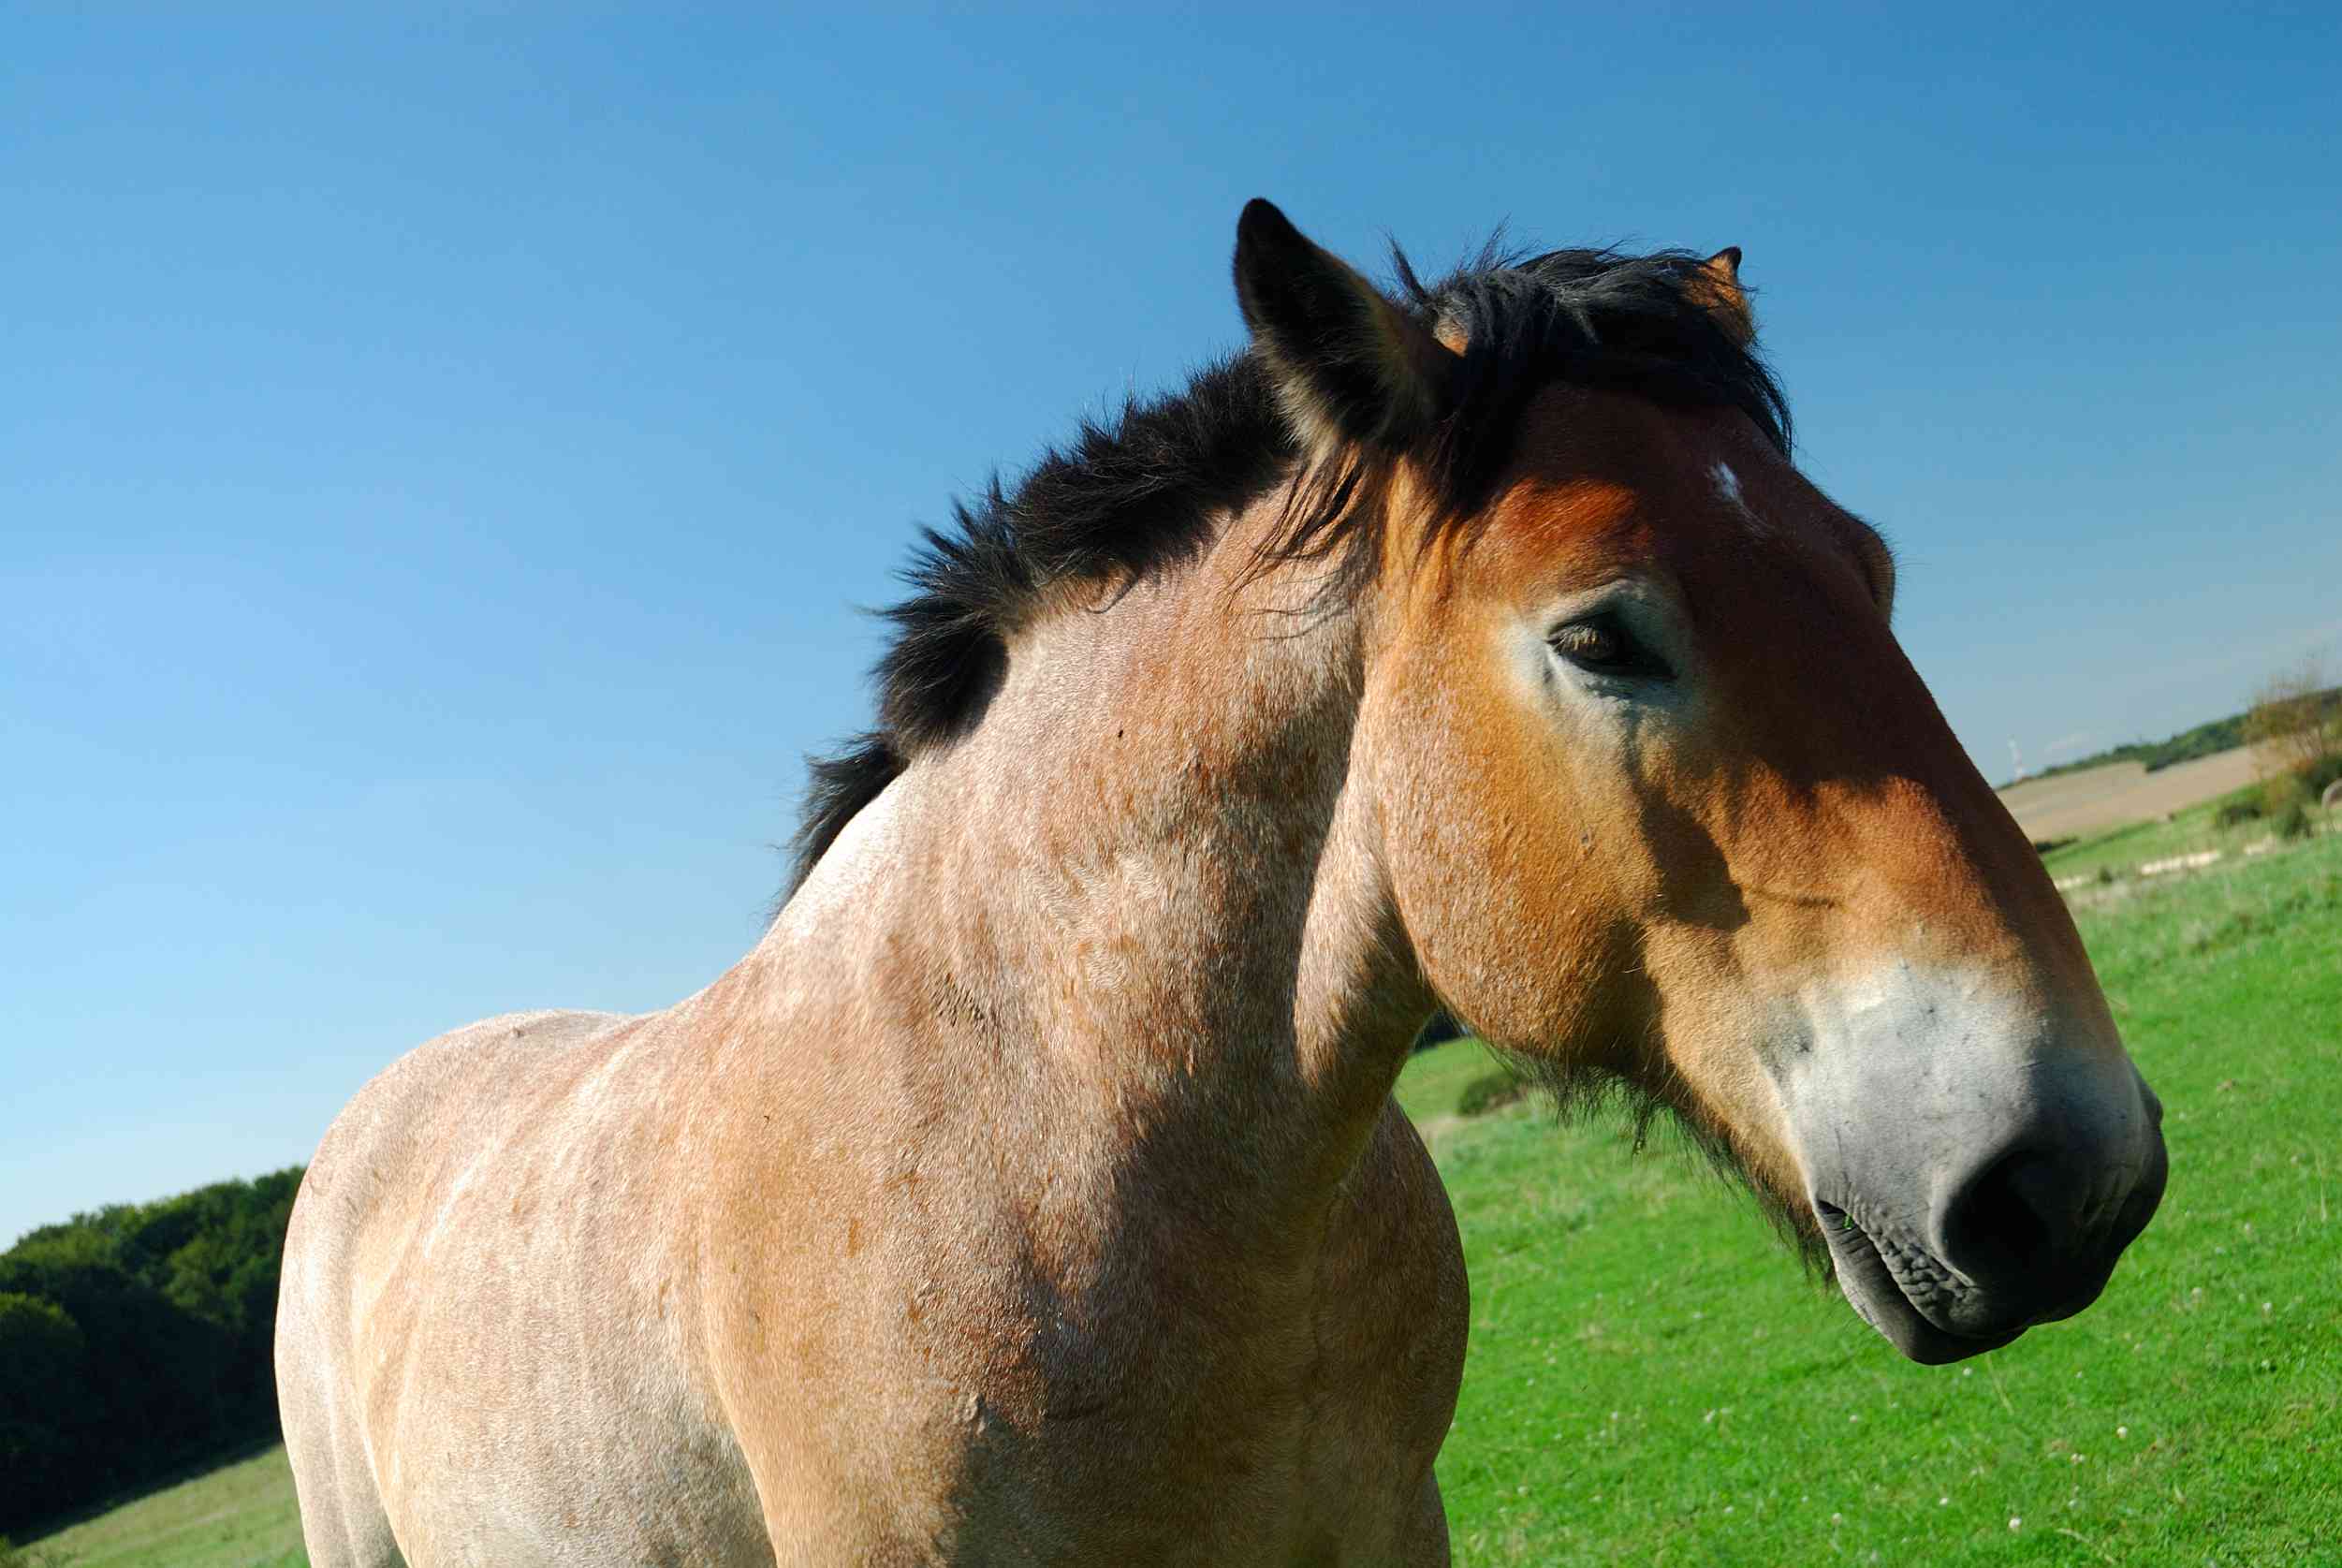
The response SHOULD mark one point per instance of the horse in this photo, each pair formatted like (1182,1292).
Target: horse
(1033,1192)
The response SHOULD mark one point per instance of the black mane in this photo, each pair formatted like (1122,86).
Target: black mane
(1125,500)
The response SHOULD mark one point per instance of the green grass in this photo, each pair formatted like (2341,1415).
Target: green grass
(240,1516)
(1651,1380)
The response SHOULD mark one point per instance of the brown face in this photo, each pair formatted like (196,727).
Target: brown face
(1667,801)
(1661,799)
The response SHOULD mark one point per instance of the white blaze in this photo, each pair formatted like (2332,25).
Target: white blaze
(1727,483)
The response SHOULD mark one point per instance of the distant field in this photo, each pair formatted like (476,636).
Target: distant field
(2115,856)
(2070,805)
(1653,1381)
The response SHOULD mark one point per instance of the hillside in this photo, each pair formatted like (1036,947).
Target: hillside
(2152,756)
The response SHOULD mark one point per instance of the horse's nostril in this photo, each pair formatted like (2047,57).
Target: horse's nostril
(2017,1214)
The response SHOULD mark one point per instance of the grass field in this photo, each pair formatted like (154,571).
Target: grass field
(240,1516)
(1653,1381)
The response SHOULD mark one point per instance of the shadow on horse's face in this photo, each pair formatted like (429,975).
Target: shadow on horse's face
(1668,805)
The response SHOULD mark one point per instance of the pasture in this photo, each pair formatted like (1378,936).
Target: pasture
(239,1515)
(1651,1379)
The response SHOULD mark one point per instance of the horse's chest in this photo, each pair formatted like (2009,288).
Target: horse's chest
(1158,1408)
(1132,1453)
(1025,1348)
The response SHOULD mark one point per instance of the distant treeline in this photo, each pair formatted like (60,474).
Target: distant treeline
(2220,735)
(136,1340)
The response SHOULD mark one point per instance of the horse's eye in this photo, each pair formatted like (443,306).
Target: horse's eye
(1604,647)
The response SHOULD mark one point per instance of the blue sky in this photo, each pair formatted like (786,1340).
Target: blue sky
(439,456)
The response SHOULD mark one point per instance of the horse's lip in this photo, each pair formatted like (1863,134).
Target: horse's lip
(1871,1288)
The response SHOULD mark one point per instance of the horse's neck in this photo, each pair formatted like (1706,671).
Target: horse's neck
(1153,865)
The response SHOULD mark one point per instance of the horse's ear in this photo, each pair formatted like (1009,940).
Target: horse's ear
(1716,285)
(1348,364)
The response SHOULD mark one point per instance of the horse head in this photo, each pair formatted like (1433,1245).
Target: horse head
(1664,803)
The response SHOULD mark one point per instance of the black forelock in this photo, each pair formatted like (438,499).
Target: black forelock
(1128,497)
(1595,318)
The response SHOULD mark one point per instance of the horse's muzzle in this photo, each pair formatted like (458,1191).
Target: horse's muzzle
(2029,1234)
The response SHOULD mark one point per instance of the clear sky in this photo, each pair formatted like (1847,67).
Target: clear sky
(439,456)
